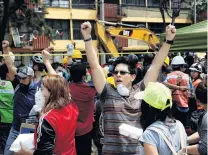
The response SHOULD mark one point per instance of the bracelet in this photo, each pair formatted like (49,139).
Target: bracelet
(85,40)
(168,41)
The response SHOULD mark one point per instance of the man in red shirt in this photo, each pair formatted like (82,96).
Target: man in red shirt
(83,95)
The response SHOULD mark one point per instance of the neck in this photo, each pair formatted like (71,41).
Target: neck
(38,75)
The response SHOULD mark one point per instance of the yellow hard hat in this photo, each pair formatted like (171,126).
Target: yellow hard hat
(65,60)
(77,54)
(167,60)
(111,81)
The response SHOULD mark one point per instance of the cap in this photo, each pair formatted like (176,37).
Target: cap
(157,95)
(25,71)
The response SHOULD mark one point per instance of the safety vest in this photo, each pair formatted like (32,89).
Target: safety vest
(6,101)
(195,83)
(178,96)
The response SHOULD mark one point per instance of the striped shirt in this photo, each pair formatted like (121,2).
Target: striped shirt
(117,110)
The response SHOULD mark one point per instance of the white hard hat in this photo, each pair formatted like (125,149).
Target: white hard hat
(196,67)
(178,60)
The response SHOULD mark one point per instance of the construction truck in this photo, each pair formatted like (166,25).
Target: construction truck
(139,32)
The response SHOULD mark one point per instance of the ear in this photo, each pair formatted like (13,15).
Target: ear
(133,77)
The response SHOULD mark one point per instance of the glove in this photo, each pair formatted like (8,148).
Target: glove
(70,49)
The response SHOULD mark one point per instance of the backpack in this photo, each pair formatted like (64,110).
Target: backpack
(159,131)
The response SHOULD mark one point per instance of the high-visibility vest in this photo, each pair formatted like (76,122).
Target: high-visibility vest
(178,96)
(6,101)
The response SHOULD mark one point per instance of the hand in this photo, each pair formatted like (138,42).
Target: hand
(45,55)
(183,88)
(170,32)
(50,49)
(183,151)
(24,150)
(86,29)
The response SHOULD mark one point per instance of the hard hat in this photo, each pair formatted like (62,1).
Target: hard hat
(65,60)
(37,58)
(196,67)
(167,60)
(77,54)
(178,60)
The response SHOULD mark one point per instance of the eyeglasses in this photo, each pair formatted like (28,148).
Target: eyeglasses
(21,78)
(121,72)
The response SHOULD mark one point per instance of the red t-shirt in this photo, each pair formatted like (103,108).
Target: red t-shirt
(83,95)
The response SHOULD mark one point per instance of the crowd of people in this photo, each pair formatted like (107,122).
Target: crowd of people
(76,104)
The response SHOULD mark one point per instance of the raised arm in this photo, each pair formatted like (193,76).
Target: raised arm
(153,71)
(97,71)
(10,64)
(46,59)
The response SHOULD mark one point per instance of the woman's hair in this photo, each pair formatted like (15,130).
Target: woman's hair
(59,92)
(151,114)
(130,60)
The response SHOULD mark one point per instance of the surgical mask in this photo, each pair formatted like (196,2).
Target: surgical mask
(30,65)
(122,90)
(110,68)
(24,88)
(60,74)
(39,100)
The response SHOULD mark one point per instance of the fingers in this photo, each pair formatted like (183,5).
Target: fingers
(86,25)
(171,28)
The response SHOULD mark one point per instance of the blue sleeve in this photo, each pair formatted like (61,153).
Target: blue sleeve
(190,86)
(150,138)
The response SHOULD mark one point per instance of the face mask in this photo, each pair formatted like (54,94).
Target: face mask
(39,100)
(24,88)
(110,68)
(122,90)
(60,74)
(30,65)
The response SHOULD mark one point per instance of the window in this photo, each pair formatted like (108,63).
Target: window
(134,2)
(153,3)
(77,30)
(60,29)
(83,4)
(157,28)
(56,3)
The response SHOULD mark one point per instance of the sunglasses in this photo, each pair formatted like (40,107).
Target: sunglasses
(21,78)
(121,72)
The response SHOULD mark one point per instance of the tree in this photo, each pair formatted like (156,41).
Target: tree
(201,6)
(17,14)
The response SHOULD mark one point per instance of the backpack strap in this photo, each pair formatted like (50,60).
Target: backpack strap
(164,137)
(181,133)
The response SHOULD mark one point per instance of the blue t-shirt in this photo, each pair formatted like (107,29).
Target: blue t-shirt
(171,130)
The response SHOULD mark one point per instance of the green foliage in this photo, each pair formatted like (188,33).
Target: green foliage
(201,5)
(32,20)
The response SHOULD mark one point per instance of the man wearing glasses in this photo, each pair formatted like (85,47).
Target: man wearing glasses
(119,105)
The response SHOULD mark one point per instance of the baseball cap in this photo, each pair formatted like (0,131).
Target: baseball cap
(156,95)
(25,71)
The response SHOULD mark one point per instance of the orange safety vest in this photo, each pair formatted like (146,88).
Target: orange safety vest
(178,96)
(195,83)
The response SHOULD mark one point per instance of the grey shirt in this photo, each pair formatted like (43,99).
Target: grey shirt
(202,130)
(171,130)
(118,109)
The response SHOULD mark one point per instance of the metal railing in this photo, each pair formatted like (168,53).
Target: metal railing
(56,3)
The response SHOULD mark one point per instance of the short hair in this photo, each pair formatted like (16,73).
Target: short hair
(3,71)
(130,60)
(201,93)
(77,71)
(55,65)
